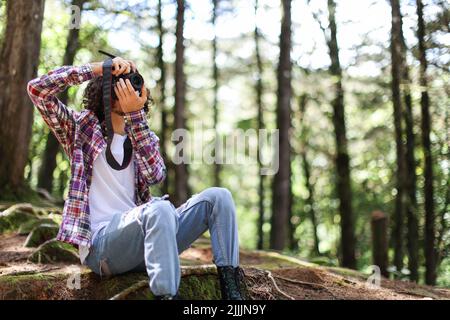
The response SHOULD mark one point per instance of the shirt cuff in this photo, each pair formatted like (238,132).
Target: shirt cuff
(135,117)
(85,72)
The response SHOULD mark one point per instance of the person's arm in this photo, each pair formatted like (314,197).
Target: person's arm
(146,144)
(57,116)
(144,141)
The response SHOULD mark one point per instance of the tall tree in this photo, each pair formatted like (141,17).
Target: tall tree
(411,180)
(396,71)
(282,181)
(181,171)
(19,59)
(343,179)
(259,89)
(215,76)
(306,168)
(48,165)
(430,248)
(162,86)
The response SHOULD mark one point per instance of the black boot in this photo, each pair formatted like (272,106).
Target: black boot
(230,283)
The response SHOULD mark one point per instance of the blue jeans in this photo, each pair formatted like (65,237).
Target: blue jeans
(151,236)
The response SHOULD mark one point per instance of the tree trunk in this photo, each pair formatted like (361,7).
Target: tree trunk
(259,103)
(343,184)
(181,172)
(217,166)
(430,249)
(48,164)
(52,147)
(19,59)
(307,174)
(380,241)
(410,182)
(162,86)
(281,183)
(396,70)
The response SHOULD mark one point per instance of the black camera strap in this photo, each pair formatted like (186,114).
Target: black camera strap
(107,103)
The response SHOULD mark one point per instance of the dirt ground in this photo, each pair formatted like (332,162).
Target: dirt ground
(320,283)
(267,276)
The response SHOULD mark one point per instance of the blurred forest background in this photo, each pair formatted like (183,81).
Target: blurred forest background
(358,89)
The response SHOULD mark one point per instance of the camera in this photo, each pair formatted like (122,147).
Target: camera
(136,80)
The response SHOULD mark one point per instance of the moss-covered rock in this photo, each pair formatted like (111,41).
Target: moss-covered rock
(54,251)
(14,216)
(40,234)
(28,226)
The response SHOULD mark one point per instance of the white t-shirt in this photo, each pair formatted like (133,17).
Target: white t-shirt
(111,191)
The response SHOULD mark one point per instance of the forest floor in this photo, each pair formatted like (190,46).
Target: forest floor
(268,275)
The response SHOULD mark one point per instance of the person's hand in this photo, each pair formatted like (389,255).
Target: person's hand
(129,99)
(120,66)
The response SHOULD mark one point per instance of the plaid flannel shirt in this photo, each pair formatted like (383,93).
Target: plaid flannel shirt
(82,140)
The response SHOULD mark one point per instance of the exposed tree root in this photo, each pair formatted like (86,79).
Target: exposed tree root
(269,275)
(315,285)
(123,295)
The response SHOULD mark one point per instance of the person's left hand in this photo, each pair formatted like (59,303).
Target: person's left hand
(129,99)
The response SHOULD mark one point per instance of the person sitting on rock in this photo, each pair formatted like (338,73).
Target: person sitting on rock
(109,214)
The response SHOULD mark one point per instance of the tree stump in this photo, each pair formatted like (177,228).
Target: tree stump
(379,223)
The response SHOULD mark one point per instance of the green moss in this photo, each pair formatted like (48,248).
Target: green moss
(53,285)
(323,261)
(192,287)
(273,260)
(347,272)
(10,220)
(54,251)
(40,234)
(205,287)
(28,226)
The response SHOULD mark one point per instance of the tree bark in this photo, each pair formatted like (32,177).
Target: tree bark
(259,103)
(215,75)
(411,180)
(380,241)
(281,183)
(19,59)
(430,236)
(162,86)
(396,70)
(307,175)
(48,165)
(181,172)
(343,183)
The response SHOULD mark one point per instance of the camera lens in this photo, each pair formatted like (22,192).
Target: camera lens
(137,81)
